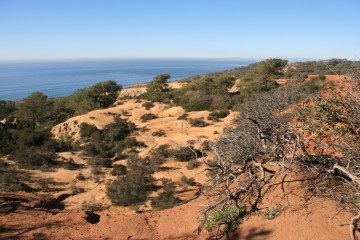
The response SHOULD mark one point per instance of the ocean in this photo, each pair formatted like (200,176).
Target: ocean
(62,78)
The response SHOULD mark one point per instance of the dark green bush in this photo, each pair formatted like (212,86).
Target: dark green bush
(183,117)
(100,162)
(127,143)
(198,122)
(147,117)
(193,164)
(206,145)
(118,170)
(163,150)
(86,130)
(185,154)
(80,177)
(216,115)
(34,158)
(134,186)
(112,139)
(166,199)
(188,181)
(314,85)
(158,133)
(58,145)
(148,105)
(164,96)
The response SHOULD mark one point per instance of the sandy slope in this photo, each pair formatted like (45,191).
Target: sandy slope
(317,219)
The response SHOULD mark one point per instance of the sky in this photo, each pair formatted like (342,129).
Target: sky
(105,29)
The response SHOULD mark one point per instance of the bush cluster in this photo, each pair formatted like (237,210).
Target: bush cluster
(217,115)
(148,116)
(198,122)
(148,105)
(134,186)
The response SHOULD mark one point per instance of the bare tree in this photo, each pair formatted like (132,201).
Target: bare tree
(264,145)
(241,176)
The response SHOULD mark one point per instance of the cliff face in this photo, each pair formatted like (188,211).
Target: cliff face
(68,128)
(132,91)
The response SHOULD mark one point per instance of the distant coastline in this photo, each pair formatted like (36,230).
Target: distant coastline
(62,78)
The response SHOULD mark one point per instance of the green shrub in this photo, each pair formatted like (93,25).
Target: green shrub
(158,133)
(9,182)
(163,151)
(185,154)
(59,145)
(147,117)
(34,158)
(183,117)
(148,105)
(193,164)
(188,181)
(75,189)
(198,122)
(194,100)
(166,199)
(80,177)
(118,170)
(271,213)
(127,143)
(104,143)
(133,187)
(314,85)
(86,130)
(105,162)
(216,115)
(164,96)
(206,145)
(223,215)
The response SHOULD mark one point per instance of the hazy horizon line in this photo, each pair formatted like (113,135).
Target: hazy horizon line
(161,58)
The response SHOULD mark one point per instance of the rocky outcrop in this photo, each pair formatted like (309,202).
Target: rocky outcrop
(68,128)
(132,91)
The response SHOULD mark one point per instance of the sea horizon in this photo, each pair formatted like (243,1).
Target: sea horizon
(59,78)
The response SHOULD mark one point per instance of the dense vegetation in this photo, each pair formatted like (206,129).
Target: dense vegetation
(211,92)
(25,130)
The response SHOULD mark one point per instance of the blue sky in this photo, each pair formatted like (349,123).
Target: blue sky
(88,29)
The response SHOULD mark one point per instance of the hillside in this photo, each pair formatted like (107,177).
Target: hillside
(134,163)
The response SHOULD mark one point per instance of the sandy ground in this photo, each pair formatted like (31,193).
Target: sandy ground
(22,219)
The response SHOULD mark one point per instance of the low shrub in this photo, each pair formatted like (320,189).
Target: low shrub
(76,190)
(91,205)
(133,187)
(34,158)
(118,170)
(9,182)
(127,143)
(86,130)
(166,199)
(185,154)
(163,151)
(216,115)
(80,177)
(193,164)
(271,213)
(314,85)
(148,105)
(147,117)
(188,181)
(183,117)
(206,145)
(226,214)
(198,122)
(158,133)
